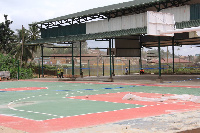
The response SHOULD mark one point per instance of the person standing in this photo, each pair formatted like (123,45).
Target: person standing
(61,72)
(126,71)
(141,71)
(58,72)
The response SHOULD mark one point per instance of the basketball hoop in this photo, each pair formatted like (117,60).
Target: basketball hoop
(158,22)
(197,29)
(163,24)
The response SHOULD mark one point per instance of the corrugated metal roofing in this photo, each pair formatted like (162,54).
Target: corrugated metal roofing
(135,31)
(91,36)
(102,9)
(188,24)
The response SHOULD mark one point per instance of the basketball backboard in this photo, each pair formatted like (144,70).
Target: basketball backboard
(158,22)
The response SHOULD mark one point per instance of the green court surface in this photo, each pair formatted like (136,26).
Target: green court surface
(54,102)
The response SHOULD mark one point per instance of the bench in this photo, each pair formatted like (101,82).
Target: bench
(5,75)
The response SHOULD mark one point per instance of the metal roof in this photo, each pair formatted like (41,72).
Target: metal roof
(112,34)
(188,24)
(101,10)
(84,37)
(181,39)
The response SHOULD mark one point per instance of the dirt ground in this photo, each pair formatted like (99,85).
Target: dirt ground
(9,130)
(171,123)
(175,122)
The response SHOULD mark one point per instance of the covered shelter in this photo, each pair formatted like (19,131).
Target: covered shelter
(126,23)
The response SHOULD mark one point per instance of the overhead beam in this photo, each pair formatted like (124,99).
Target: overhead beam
(97,48)
(60,47)
(76,56)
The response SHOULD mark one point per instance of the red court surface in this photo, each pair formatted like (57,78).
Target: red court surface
(23,89)
(85,120)
(117,97)
(161,85)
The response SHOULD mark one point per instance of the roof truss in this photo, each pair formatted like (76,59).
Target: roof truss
(107,13)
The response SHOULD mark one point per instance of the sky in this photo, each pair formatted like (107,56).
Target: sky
(24,12)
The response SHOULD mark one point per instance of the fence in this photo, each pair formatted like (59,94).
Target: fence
(102,68)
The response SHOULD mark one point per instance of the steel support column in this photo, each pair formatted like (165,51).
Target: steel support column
(113,61)
(159,57)
(42,48)
(159,77)
(173,53)
(18,70)
(72,60)
(110,59)
(129,69)
(89,67)
(39,67)
(103,68)
(140,60)
(81,73)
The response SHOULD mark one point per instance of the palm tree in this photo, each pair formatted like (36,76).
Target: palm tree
(29,35)
(26,50)
(27,54)
(34,33)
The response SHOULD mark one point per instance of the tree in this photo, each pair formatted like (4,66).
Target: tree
(27,54)
(197,60)
(7,37)
(8,63)
(49,51)
(83,48)
(163,53)
(28,35)
(34,33)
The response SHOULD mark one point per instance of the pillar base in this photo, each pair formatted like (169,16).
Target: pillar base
(159,80)
(72,79)
(81,74)
(66,79)
(109,80)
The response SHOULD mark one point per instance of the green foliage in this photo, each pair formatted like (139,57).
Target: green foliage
(11,43)
(26,73)
(186,70)
(7,37)
(163,53)
(28,35)
(34,32)
(48,67)
(84,48)
(197,60)
(8,63)
(51,51)
(27,54)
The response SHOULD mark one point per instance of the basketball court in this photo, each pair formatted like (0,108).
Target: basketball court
(127,28)
(39,106)
(59,106)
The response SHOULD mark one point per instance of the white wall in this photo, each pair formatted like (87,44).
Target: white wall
(134,21)
(119,23)
(180,13)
